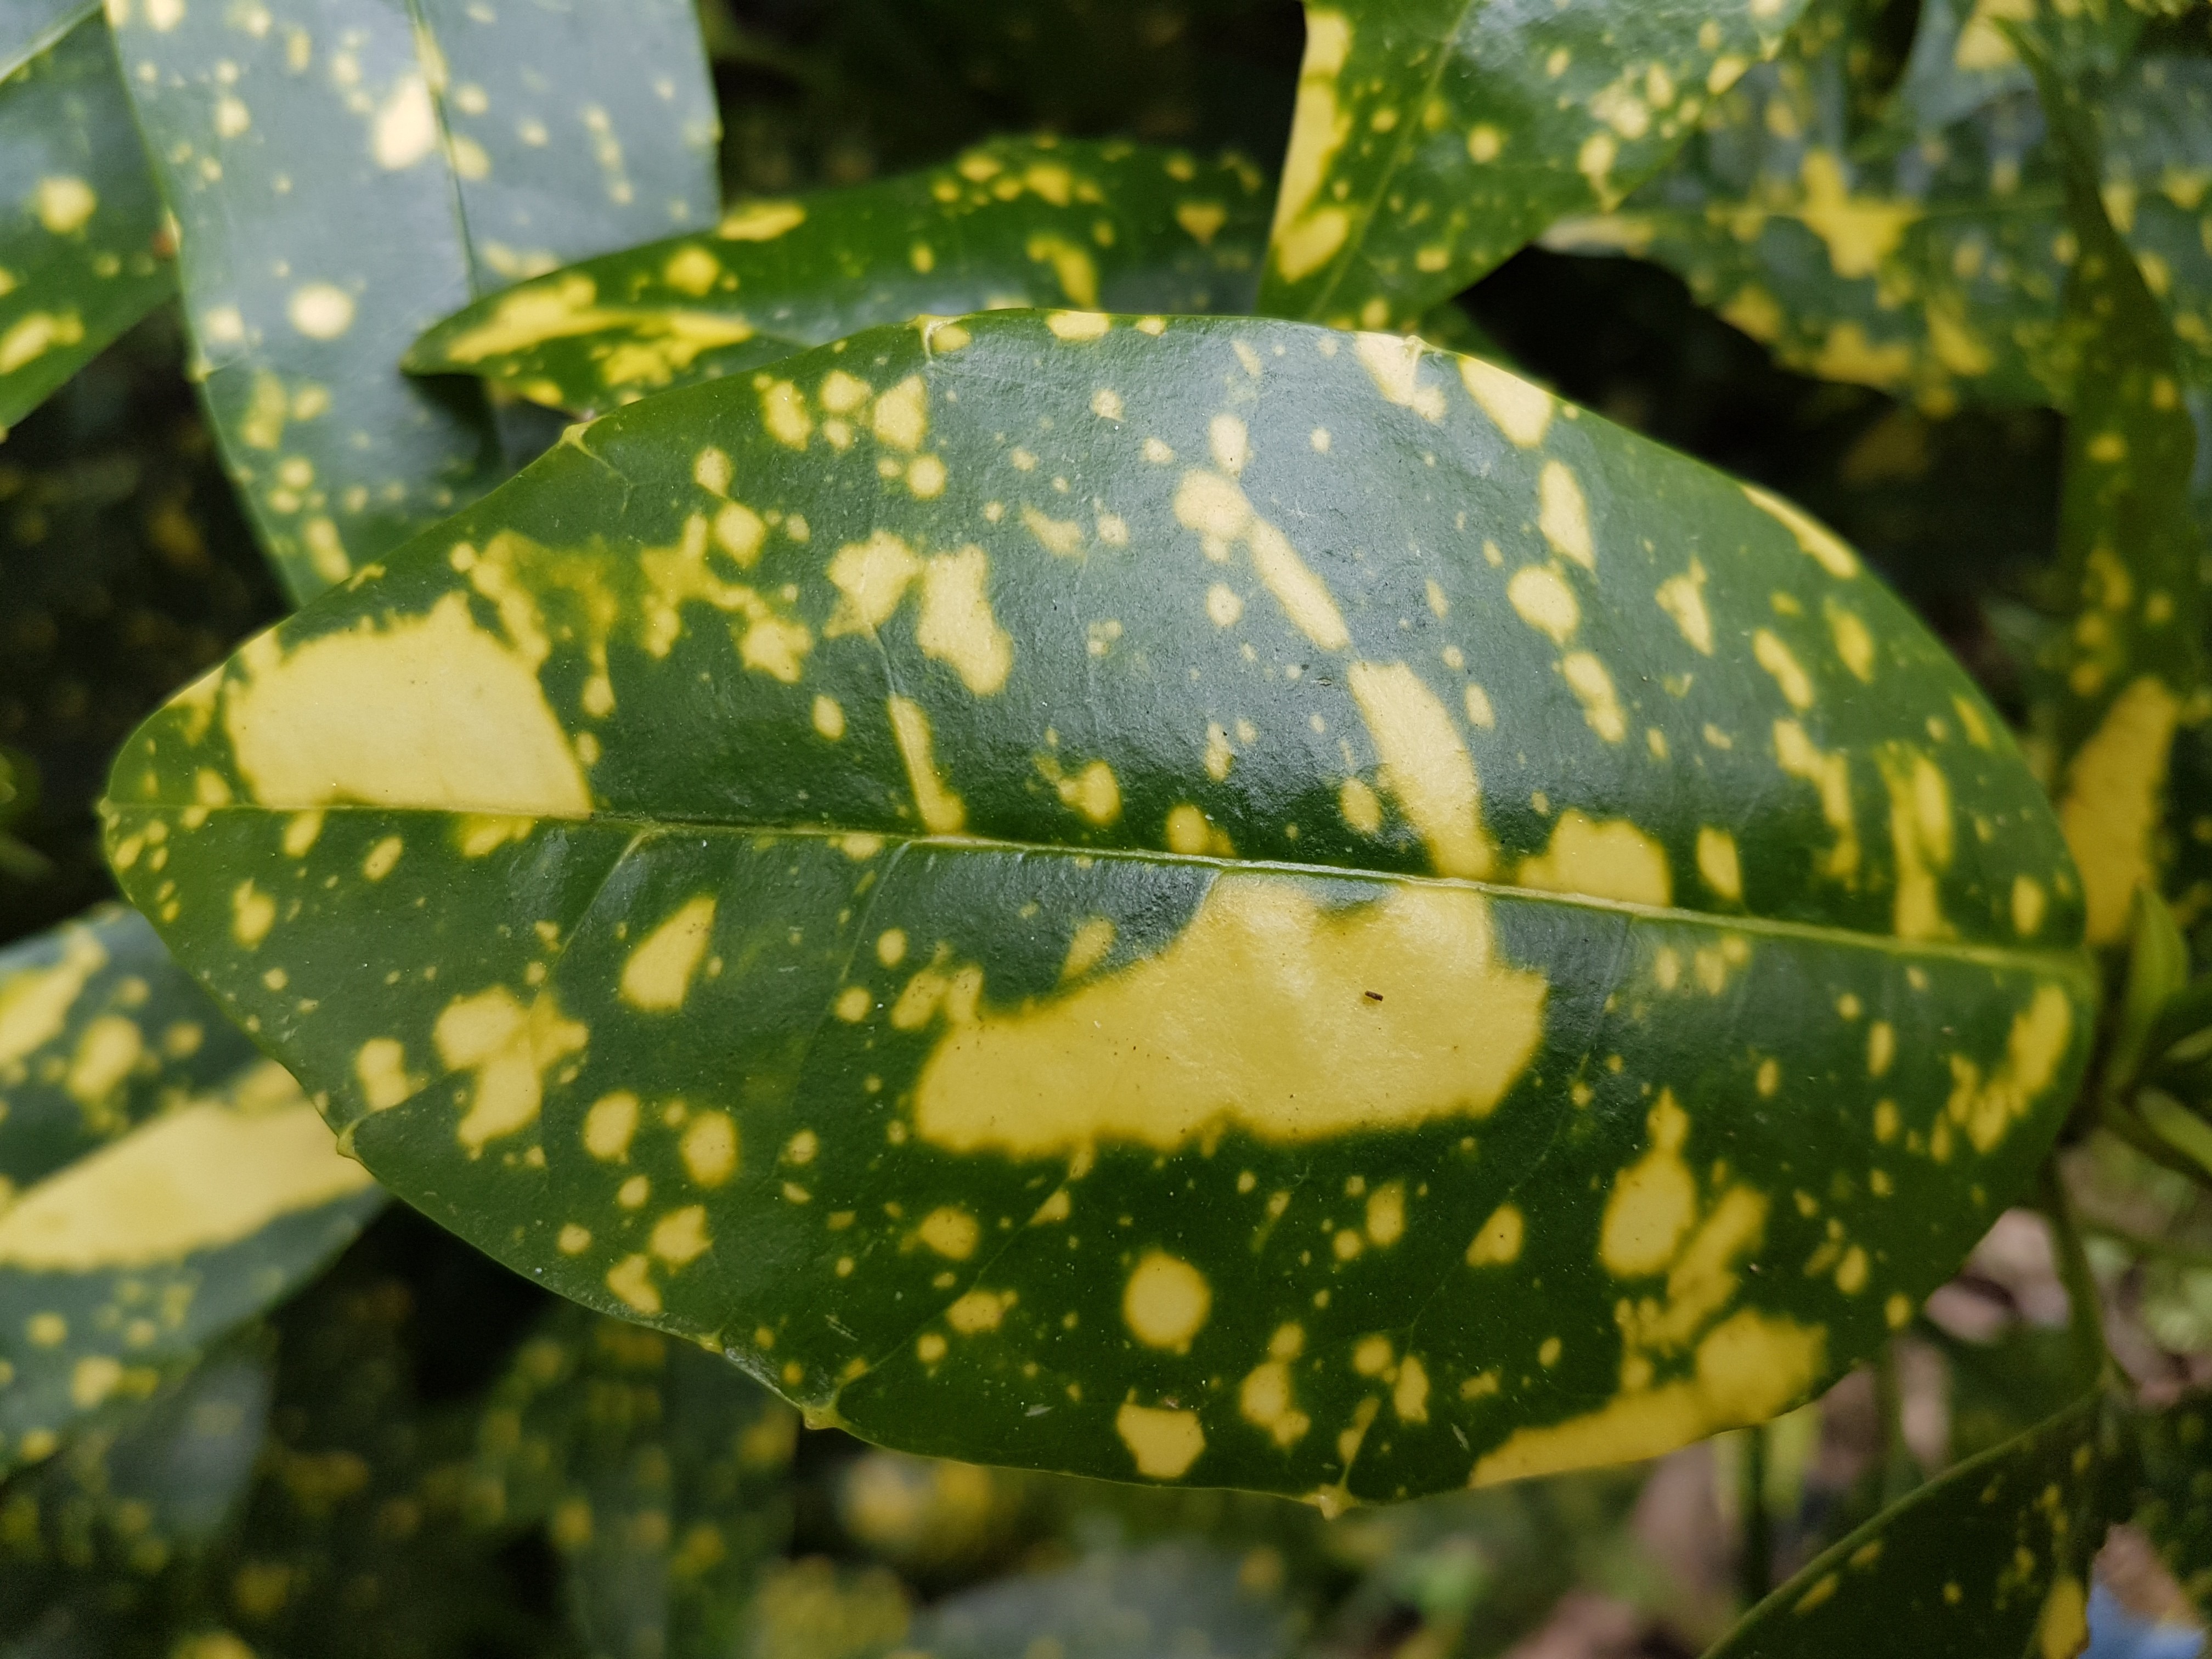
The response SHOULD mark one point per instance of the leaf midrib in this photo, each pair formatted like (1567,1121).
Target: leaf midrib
(2072,960)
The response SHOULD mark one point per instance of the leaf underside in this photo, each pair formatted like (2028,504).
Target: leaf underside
(1295,914)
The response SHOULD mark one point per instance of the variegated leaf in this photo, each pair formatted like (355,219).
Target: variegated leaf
(1201,900)
(1434,138)
(82,252)
(345,174)
(162,1183)
(1014,222)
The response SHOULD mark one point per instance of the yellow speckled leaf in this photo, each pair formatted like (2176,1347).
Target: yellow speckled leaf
(1435,137)
(159,1181)
(1290,911)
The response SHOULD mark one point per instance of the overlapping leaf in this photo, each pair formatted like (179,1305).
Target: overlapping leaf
(343,178)
(2173,1504)
(1009,223)
(82,252)
(1927,256)
(166,1183)
(1992,1558)
(922,895)
(660,1471)
(1435,137)
(29,28)
(2120,680)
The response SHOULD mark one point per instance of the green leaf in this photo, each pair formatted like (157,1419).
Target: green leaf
(1434,138)
(2118,680)
(81,245)
(661,1470)
(29,28)
(1178,1597)
(2158,974)
(345,175)
(167,1183)
(926,909)
(2173,1503)
(1928,257)
(1015,221)
(1990,1559)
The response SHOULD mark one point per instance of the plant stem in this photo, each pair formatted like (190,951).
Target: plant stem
(1755,1566)
(2084,1309)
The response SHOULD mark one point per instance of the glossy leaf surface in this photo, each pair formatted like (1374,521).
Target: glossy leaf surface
(344,175)
(81,236)
(1990,1558)
(1434,138)
(1927,255)
(1132,227)
(29,28)
(167,1182)
(922,896)
(659,1470)
(2118,680)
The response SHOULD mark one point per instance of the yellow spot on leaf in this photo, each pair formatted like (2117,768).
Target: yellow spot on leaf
(1164,1444)
(1392,361)
(952,1233)
(1545,602)
(1829,774)
(709,1149)
(943,812)
(1166,1302)
(1816,538)
(1683,597)
(1587,679)
(1719,864)
(631,1279)
(1257,1016)
(1523,412)
(609,1125)
(657,977)
(1498,1243)
(510,1049)
(2112,803)
(1776,659)
(956,626)
(2035,1047)
(1609,859)
(760,222)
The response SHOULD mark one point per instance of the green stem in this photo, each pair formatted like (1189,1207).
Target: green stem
(1755,1566)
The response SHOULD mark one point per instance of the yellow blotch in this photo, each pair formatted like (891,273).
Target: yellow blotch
(1653,1202)
(2028,901)
(828,718)
(106,1051)
(739,532)
(680,1237)
(1776,659)
(631,1279)
(1748,1368)
(252,913)
(1410,1397)
(34,1006)
(320,311)
(1426,765)
(2035,1048)
(1192,833)
(1392,361)
(1219,756)
(1851,1271)
(657,977)
(1608,859)
(64,203)
(431,713)
(1718,865)
(93,1379)
(901,418)
(1166,1302)
(2112,804)
(1921,837)
(1829,774)
(1305,237)
(1683,597)
(32,336)
(1386,1214)
(1268,1398)
(1881,1049)
(1201,220)
(1587,679)
(381,858)
(1813,537)
(2062,1629)
(1093,938)
(510,1049)
(1164,1443)
(1854,645)
(380,1068)
(709,1149)
(1361,807)
(956,626)
(609,1125)
(1860,232)
(1305,599)
(1093,793)
(200,1177)
(783,412)
(691,270)
(1523,412)
(1256,1017)
(1075,325)
(943,812)
(979,1311)
(760,222)
(1545,602)
(1498,1243)
(1564,516)
(952,1233)
(872,578)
